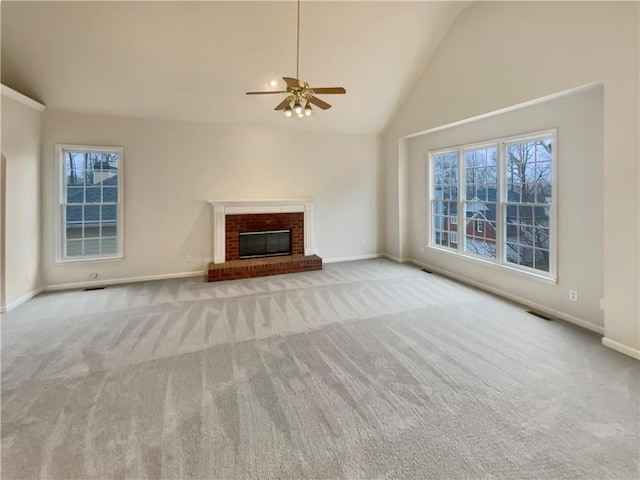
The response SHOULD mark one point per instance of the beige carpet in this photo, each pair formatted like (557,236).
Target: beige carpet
(364,370)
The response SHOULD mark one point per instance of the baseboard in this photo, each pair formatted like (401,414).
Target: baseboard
(514,298)
(350,259)
(21,300)
(395,259)
(619,347)
(206,263)
(116,281)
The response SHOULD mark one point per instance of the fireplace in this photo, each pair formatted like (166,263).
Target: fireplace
(253,238)
(255,224)
(264,244)
(230,217)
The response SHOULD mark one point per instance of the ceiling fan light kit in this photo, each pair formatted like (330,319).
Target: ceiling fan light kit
(300,94)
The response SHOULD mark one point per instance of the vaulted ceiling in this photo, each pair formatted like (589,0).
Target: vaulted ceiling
(194,61)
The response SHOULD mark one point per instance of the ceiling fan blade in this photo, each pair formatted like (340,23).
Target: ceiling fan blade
(282,105)
(325,90)
(291,82)
(319,103)
(263,93)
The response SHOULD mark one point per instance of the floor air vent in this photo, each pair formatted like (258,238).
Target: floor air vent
(92,288)
(540,315)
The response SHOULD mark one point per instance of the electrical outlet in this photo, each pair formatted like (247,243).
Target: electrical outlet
(187,258)
(573,295)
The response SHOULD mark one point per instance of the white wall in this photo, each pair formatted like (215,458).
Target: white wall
(3,209)
(171,170)
(21,147)
(499,54)
(579,160)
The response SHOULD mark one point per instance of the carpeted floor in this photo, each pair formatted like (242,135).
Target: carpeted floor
(367,369)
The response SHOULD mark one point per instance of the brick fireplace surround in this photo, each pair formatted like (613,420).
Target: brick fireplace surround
(259,222)
(234,217)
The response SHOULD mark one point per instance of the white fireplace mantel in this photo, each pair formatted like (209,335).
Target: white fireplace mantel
(222,208)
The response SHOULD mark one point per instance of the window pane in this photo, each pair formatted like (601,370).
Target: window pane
(109,231)
(541,260)
(91,215)
(74,248)
(541,239)
(109,246)
(109,194)
(74,168)
(75,194)
(92,247)
(526,256)
(94,195)
(109,213)
(74,231)
(73,215)
(91,232)
(512,252)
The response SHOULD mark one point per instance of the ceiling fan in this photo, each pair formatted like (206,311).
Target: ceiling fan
(300,96)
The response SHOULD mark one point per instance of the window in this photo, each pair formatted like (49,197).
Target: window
(505,202)
(528,177)
(444,201)
(480,198)
(90,213)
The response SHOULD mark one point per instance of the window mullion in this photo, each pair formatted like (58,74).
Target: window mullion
(500,204)
(462,197)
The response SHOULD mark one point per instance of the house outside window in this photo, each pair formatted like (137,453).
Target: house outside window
(90,202)
(506,201)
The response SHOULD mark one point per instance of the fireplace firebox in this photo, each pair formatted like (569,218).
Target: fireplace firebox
(264,244)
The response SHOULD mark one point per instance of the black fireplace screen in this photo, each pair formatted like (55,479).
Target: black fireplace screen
(265,244)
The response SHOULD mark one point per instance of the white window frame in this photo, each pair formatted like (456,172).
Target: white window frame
(479,226)
(453,236)
(60,230)
(453,220)
(500,261)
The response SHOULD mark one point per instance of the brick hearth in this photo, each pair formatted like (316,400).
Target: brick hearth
(261,267)
(236,268)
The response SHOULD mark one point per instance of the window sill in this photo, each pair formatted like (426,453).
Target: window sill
(505,268)
(90,260)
